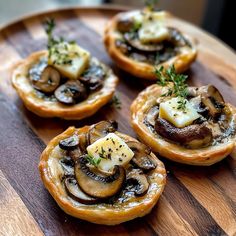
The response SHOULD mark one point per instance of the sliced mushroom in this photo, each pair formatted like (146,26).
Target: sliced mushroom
(177,38)
(68,165)
(101,129)
(99,184)
(69,143)
(212,99)
(152,115)
(75,154)
(137,179)
(125,24)
(71,92)
(76,193)
(199,106)
(141,156)
(134,41)
(124,47)
(192,136)
(48,81)
(83,142)
(93,77)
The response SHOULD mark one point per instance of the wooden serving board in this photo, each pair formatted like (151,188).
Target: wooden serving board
(196,200)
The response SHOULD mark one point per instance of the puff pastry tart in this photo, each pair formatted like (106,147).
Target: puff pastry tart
(100,175)
(65,81)
(198,129)
(137,40)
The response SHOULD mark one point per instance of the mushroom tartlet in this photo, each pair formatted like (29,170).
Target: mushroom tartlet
(192,125)
(137,40)
(100,175)
(64,81)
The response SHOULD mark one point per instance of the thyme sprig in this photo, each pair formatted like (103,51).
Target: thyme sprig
(93,161)
(57,48)
(176,84)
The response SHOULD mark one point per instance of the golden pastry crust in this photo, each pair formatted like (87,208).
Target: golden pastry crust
(99,213)
(143,70)
(202,156)
(45,108)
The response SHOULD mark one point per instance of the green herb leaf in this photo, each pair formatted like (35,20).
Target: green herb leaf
(176,84)
(92,160)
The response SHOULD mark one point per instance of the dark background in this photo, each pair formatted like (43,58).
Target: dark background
(220,20)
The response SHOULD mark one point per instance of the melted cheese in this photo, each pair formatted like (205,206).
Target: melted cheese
(79,60)
(179,118)
(153,29)
(112,150)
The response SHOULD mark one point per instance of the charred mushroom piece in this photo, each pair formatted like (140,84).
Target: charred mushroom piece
(48,81)
(152,115)
(137,179)
(192,136)
(212,99)
(141,155)
(135,42)
(71,92)
(101,129)
(125,24)
(70,143)
(99,184)
(74,191)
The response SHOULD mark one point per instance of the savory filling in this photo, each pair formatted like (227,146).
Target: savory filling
(144,38)
(190,116)
(68,75)
(101,167)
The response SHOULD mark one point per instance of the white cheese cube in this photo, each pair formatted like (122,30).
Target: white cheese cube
(78,56)
(153,29)
(178,117)
(112,150)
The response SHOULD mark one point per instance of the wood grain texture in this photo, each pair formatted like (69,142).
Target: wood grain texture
(15,218)
(196,201)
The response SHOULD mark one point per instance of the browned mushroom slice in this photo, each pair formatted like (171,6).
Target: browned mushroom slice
(141,156)
(138,181)
(212,99)
(99,184)
(192,136)
(74,191)
(101,129)
(125,24)
(71,92)
(135,42)
(48,81)
(152,115)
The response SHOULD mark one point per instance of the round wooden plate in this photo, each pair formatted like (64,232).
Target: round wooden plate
(196,200)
